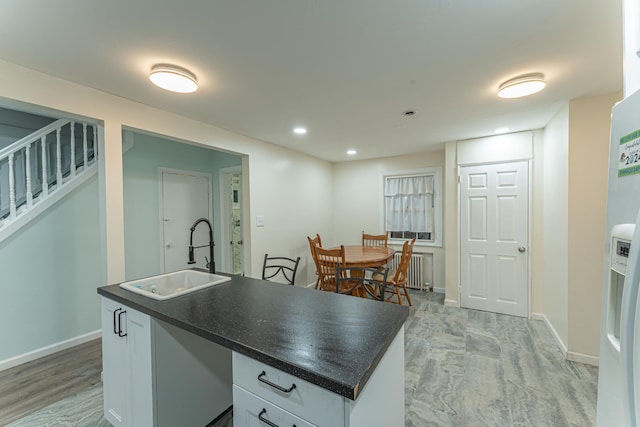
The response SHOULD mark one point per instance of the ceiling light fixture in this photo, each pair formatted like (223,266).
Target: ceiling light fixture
(500,131)
(300,131)
(351,152)
(174,79)
(520,86)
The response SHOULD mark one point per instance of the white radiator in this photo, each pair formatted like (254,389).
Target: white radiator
(415,274)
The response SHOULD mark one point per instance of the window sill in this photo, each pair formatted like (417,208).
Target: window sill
(400,242)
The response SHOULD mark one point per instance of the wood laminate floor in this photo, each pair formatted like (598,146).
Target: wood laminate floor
(29,387)
(462,368)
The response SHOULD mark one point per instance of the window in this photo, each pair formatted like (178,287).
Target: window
(412,206)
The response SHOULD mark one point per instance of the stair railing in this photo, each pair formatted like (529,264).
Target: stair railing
(41,163)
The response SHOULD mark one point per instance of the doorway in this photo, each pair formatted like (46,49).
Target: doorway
(231,215)
(494,237)
(185,196)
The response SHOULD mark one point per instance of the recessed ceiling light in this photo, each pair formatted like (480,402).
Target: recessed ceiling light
(300,131)
(501,130)
(173,78)
(352,152)
(524,85)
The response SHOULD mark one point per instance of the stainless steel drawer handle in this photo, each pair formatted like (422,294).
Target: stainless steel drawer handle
(262,378)
(266,421)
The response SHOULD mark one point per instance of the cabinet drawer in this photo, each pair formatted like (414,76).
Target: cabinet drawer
(308,401)
(251,411)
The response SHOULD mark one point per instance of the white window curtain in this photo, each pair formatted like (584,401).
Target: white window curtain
(408,203)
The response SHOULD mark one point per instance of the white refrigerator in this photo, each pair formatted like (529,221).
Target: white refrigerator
(619,366)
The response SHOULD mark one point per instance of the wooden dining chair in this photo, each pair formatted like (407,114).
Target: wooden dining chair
(313,243)
(362,282)
(328,261)
(317,240)
(278,269)
(397,286)
(377,240)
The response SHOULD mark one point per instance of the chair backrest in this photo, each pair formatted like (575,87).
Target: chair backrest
(362,282)
(313,243)
(286,268)
(316,240)
(327,263)
(379,240)
(405,259)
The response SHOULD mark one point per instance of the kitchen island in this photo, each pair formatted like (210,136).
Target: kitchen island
(344,354)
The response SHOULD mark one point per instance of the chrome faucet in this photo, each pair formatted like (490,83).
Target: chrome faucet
(211,265)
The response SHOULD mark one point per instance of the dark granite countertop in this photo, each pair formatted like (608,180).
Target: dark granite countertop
(333,341)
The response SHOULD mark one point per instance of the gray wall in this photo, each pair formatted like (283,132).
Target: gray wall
(50,270)
(141,195)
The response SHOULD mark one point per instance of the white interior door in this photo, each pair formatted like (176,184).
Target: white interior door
(494,232)
(186,197)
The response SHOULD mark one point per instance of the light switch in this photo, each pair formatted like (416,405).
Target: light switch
(259,220)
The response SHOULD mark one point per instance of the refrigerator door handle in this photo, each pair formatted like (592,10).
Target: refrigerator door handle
(628,323)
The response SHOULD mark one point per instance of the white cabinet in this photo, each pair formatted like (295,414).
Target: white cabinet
(127,365)
(261,392)
(250,410)
(292,395)
(155,374)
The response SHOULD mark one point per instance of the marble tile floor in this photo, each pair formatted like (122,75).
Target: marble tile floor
(473,368)
(462,368)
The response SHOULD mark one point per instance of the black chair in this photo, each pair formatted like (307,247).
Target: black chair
(362,282)
(285,267)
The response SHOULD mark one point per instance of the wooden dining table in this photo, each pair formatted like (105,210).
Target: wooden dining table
(367,256)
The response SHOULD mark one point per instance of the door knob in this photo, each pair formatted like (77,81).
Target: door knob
(240,242)
(169,245)
(521,249)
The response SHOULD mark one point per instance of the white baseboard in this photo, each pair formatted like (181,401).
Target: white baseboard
(438,290)
(587,359)
(310,285)
(537,316)
(50,349)
(451,303)
(554,333)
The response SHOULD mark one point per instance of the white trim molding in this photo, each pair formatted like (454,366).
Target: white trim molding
(587,359)
(451,303)
(50,349)
(552,330)
(573,356)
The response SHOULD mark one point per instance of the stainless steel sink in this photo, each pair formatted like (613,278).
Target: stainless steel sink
(171,285)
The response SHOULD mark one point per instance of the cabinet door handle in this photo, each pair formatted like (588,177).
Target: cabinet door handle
(115,323)
(266,421)
(120,334)
(262,378)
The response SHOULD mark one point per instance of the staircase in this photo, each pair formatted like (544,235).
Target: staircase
(41,168)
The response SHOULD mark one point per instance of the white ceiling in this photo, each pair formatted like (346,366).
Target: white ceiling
(345,69)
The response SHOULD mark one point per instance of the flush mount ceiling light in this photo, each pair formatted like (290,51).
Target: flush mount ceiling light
(174,79)
(300,131)
(352,152)
(520,86)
